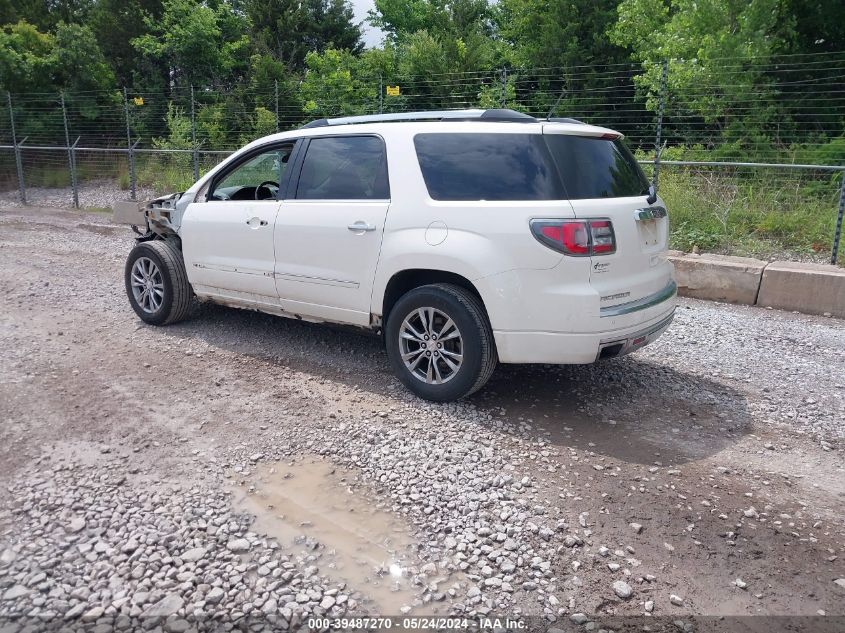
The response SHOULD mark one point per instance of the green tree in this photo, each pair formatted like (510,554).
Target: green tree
(196,42)
(26,62)
(435,41)
(116,23)
(819,25)
(69,60)
(559,33)
(265,72)
(289,29)
(718,52)
(45,14)
(263,123)
(81,69)
(400,18)
(80,64)
(335,86)
(32,61)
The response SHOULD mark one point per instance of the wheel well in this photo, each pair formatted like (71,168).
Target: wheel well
(407,280)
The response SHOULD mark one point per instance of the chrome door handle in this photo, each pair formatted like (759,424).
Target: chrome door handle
(360,227)
(254,223)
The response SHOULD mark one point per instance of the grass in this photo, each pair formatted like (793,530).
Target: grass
(165,174)
(750,215)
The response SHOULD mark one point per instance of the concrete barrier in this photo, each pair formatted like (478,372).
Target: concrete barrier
(809,288)
(718,277)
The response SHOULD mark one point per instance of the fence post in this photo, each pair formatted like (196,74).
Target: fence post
(18,161)
(380,93)
(130,147)
(837,232)
(659,127)
(195,153)
(70,158)
(276,97)
(74,179)
(504,98)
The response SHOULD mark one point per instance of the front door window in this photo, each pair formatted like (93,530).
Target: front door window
(257,178)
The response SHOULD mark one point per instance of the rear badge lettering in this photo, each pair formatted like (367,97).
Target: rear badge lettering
(619,295)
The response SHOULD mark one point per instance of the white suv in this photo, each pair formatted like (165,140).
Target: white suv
(465,238)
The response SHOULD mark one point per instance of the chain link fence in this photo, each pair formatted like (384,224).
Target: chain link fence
(737,147)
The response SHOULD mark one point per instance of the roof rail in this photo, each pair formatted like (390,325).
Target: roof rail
(432,115)
(564,120)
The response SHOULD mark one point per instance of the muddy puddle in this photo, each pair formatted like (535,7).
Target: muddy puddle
(312,509)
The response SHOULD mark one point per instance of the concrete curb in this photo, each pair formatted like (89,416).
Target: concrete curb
(807,288)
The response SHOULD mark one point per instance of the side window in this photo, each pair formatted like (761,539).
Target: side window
(258,178)
(344,168)
(484,166)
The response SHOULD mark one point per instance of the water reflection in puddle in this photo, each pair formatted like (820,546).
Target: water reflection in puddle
(313,511)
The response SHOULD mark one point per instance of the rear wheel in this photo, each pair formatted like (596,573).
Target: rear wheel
(440,343)
(157,284)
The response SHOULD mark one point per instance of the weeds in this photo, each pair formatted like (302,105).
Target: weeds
(749,215)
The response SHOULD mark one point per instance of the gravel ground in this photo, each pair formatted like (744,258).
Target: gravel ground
(96,194)
(701,475)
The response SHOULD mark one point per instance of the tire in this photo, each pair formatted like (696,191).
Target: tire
(169,296)
(474,344)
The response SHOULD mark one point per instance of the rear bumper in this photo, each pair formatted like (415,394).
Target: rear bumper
(664,294)
(560,348)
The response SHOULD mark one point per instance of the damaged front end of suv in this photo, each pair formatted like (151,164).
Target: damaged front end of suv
(153,219)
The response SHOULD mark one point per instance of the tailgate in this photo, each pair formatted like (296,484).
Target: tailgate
(638,269)
(604,182)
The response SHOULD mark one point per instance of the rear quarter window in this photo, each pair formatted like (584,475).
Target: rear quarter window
(514,166)
(595,167)
(487,167)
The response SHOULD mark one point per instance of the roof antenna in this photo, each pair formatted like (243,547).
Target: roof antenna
(554,107)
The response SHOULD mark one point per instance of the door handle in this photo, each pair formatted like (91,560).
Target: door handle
(361,227)
(254,223)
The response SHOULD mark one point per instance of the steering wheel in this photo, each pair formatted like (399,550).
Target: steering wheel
(264,185)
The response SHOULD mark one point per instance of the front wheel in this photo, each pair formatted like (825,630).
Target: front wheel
(157,284)
(440,343)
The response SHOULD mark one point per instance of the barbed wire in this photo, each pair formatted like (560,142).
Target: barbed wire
(771,106)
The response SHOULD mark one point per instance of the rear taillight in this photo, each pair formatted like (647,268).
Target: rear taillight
(577,238)
(603,240)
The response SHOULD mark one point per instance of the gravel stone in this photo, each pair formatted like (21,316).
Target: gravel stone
(215,595)
(15,592)
(622,589)
(238,545)
(77,524)
(169,605)
(194,554)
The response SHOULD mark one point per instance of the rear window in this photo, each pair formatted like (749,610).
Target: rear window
(596,167)
(469,166)
(487,167)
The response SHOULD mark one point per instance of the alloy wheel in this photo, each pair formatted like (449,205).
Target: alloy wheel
(147,285)
(431,346)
